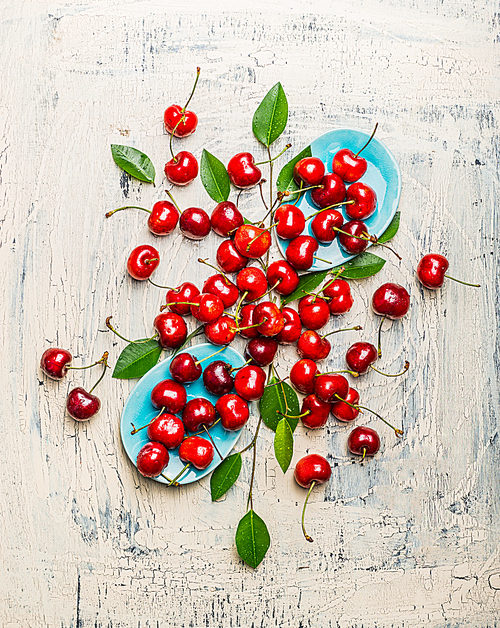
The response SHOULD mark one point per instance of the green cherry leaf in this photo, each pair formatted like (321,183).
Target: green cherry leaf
(252,539)
(286,182)
(364,265)
(271,116)
(134,162)
(279,397)
(392,229)
(214,177)
(307,283)
(137,359)
(283,444)
(225,476)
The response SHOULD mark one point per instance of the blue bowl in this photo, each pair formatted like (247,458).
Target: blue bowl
(382,174)
(139,411)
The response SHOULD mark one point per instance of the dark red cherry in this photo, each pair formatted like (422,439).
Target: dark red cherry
(242,171)
(218,378)
(182,169)
(54,362)
(360,356)
(365,201)
(291,221)
(184,122)
(152,460)
(252,281)
(269,318)
(184,368)
(261,351)
(318,412)
(314,312)
(309,171)
(312,468)
(182,295)
(247,321)
(339,293)
(344,412)
(363,441)
(233,412)
(166,429)
(283,277)
(170,395)
(292,328)
(198,451)
(323,225)
(221,287)
(312,346)
(142,262)
(352,243)
(332,191)
(197,413)
(300,252)
(81,405)
(221,331)
(172,330)
(329,386)
(229,258)
(391,300)
(303,376)
(226,218)
(348,166)
(252,241)
(249,382)
(163,218)
(195,223)
(207,307)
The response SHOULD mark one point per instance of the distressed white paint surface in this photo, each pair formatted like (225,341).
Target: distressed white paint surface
(410,539)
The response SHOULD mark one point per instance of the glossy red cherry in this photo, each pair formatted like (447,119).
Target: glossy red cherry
(247,321)
(182,169)
(312,468)
(195,223)
(283,277)
(363,441)
(242,171)
(431,272)
(197,413)
(249,382)
(292,329)
(142,262)
(309,171)
(221,287)
(347,166)
(180,123)
(323,225)
(312,346)
(229,258)
(172,330)
(170,395)
(54,362)
(252,281)
(344,412)
(339,293)
(233,412)
(183,295)
(318,412)
(152,460)
(207,307)
(81,405)
(314,312)
(252,241)
(300,252)
(365,201)
(360,356)
(163,218)
(391,300)
(261,351)
(332,191)
(269,318)
(352,243)
(329,386)
(291,221)
(303,376)
(166,429)
(198,451)
(184,368)
(218,378)
(221,331)
(226,218)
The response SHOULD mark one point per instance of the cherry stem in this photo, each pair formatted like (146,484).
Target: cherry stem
(238,307)
(82,368)
(371,137)
(299,195)
(277,384)
(134,342)
(220,272)
(353,373)
(336,276)
(336,331)
(265,293)
(268,161)
(399,433)
(329,207)
(158,285)
(127,207)
(261,183)
(364,454)
(172,482)
(138,429)
(300,190)
(238,197)
(177,303)
(152,259)
(260,235)
(210,356)
(379,350)
(237,368)
(198,70)
(181,119)
(254,458)
(169,194)
(465,283)
(288,416)
(320,259)
(250,326)
(307,537)
(254,439)
(212,441)
(270,177)
(406,367)
(202,431)
(369,238)
(104,362)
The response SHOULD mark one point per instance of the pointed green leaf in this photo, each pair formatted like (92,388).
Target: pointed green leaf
(283,444)
(286,182)
(137,359)
(214,177)
(307,283)
(279,397)
(392,229)
(225,476)
(270,118)
(134,162)
(364,265)
(252,539)
(199,330)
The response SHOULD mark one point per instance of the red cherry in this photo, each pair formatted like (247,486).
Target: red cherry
(170,395)
(185,293)
(347,166)
(184,122)
(303,376)
(291,221)
(352,243)
(243,172)
(269,318)
(283,277)
(309,170)
(172,330)
(365,201)
(252,281)
(252,241)
(142,262)
(314,312)
(198,451)
(195,223)
(54,362)
(247,321)
(249,382)
(328,387)
(312,346)
(344,412)
(152,460)
(339,293)
(300,252)
(360,356)
(261,351)
(292,328)
(229,258)
(226,218)
(166,429)
(163,218)
(391,300)
(218,378)
(363,441)
(318,412)
(323,225)
(221,287)
(207,307)
(431,270)
(331,192)
(233,412)
(81,405)
(312,468)
(220,331)
(182,169)
(197,413)
(184,368)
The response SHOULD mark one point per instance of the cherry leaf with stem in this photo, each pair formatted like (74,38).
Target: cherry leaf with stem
(252,539)
(137,358)
(214,177)
(225,475)
(134,162)
(270,118)
(283,444)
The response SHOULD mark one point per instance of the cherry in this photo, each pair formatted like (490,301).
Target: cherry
(431,272)
(195,223)
(363,441)
(221,331)
(343,411)
(242,171)
(169,395)
(183,295)
(142,262)
(355,237)
(247,322)
(312,346)
(261,351)
(391,300)
(315,412)
(163,217)
(291,221)
(331,191)
(197,451)
(226,218)
(360,356)
(182,169)
(309,471)
(171,329)
(339,293)
(198,412)
(249,382)
(218,378)
(252,241)
(152,460)
(300,252)
(55,362)
(314,312)
(330,386)
(221,287)
(269,318)
(292,328)
(184,368)
(323,225)
(81,405)
(349,166)
(166,429)
(283,277)
(180,122)
(303,375)
(309,171)
(365,201)
(253,282)
(207,307)
(229,258)
(233,412)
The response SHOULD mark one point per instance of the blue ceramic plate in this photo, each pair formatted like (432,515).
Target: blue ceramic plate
(139,411)
(382,174)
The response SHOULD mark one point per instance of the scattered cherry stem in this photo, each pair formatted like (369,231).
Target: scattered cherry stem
(212,441)
(336,276)
(261,183)
(138,429)
(198,70)
(169,194)
(270,161)
(474,285)
(399,433)
(406,367)
(207,263)
(371,137)
(379,350)
(173,482)
(307,537)
(210,356)
(134,342)
(82,368)
(336,331)
(369,238)
(104,362)
(329,207)
(270,177)
(353,373)
(265,293)
(158,285)
(119,209)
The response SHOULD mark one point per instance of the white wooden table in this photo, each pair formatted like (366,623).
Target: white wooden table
(410,539)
